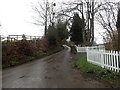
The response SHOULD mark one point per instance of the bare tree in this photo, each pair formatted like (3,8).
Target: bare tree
(45,14)
(107,17)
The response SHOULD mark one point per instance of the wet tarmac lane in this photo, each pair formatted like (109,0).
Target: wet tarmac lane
(53,71)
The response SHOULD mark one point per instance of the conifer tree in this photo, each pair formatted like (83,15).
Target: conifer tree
(76,31)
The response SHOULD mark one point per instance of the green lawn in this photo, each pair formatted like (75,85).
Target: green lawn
(104,74)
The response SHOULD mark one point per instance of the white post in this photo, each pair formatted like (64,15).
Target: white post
(102,58)
(109,59)
(119,61)
(117,54)
(115,65)
(112,58)
(87,53)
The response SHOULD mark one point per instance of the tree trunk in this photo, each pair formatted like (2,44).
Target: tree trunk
(92,24)
(46,19)
(118,27)
(119,39)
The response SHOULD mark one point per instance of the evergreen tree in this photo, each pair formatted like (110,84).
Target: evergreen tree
(76,31)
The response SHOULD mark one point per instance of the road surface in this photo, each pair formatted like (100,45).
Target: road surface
(55,71)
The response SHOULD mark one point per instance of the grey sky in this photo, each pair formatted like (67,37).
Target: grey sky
(15,17)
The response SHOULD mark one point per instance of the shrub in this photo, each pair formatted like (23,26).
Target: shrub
(42,44)
(15,53)
(52,36)
(26,47)
(73,49)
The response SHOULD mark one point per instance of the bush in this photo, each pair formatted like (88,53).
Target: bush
(15,53)
(26,47)
(70,43)
(42,44)
(73,49)
(52,36)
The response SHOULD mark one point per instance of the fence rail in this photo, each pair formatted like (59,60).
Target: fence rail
(106,59)
(81,49)
(84,49)
(19,37)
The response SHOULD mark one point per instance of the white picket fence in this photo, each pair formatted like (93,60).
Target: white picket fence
(106,59)
(81,49)
(19,37)
(84,49)
(103,58)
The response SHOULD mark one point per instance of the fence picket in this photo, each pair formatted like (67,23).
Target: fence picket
(117,55)
(112,60)
(105,58)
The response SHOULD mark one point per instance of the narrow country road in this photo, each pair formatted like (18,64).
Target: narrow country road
(53,71)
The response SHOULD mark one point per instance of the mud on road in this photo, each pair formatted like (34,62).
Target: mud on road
(55,71)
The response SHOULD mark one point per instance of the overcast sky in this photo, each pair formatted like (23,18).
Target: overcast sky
(16,15)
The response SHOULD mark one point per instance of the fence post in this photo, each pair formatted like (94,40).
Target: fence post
(118,61)
(17,37)
(102,58)
(23,37)
(87,54)
(112,60)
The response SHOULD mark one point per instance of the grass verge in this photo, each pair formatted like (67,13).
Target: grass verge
(101,73)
